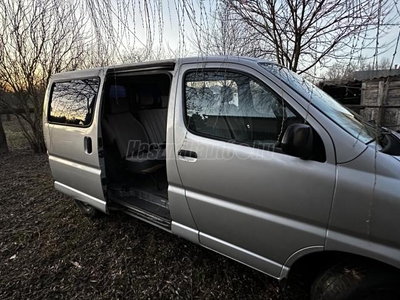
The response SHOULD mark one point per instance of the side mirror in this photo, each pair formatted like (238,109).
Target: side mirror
(298,141)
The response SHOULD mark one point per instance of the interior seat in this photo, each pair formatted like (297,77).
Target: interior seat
(154,120)
(132,140)
(233,120)
(155,123)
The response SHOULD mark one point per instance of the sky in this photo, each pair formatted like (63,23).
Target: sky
(175,37)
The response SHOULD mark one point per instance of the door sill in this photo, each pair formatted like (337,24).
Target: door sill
(143,214)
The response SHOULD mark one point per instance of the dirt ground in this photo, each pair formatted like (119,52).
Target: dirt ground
(48,250)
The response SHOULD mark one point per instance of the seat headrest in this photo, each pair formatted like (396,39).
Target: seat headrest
(227,94)
(146,98)
(119,105)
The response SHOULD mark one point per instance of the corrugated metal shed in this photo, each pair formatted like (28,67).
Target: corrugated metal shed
(374,74)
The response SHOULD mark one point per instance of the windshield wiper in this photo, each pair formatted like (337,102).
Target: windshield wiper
(379,133)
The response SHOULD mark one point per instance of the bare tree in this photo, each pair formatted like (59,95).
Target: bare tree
(38,38)
(384,63)
(296,33)
(223,35)
(142,54)
(98,53)
(117,24)
(3,140)
(340,71)
(303,34)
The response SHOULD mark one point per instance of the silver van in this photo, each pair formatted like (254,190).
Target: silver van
(239,155)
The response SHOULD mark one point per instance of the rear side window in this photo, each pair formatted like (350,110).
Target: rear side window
(72,102)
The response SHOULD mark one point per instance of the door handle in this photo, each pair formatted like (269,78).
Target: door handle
(186,155)
(87,144)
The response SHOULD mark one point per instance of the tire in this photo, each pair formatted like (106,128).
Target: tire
(88,210)
(350,282)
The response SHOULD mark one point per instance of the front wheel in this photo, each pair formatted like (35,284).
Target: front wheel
(351,282)
(88,210)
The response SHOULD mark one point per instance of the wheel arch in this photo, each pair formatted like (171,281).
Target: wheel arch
(313,260)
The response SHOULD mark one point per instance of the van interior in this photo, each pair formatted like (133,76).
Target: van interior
(134,120)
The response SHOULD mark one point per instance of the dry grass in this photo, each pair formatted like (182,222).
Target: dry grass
(14,135)
(48,250)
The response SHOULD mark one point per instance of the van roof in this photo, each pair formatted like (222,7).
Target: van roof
(167,64)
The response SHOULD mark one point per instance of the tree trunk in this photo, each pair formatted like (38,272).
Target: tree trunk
(3,140)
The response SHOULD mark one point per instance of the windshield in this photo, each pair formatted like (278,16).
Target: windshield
(353,123)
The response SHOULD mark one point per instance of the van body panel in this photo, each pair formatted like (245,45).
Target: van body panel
(337,241)
(77,175)
(254,229)
(248,202)
(179,208)
(346,147)
(296,256)
(242,255)
(78,195)
(70,162)
(185,232)
(366,207)
(67,144)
